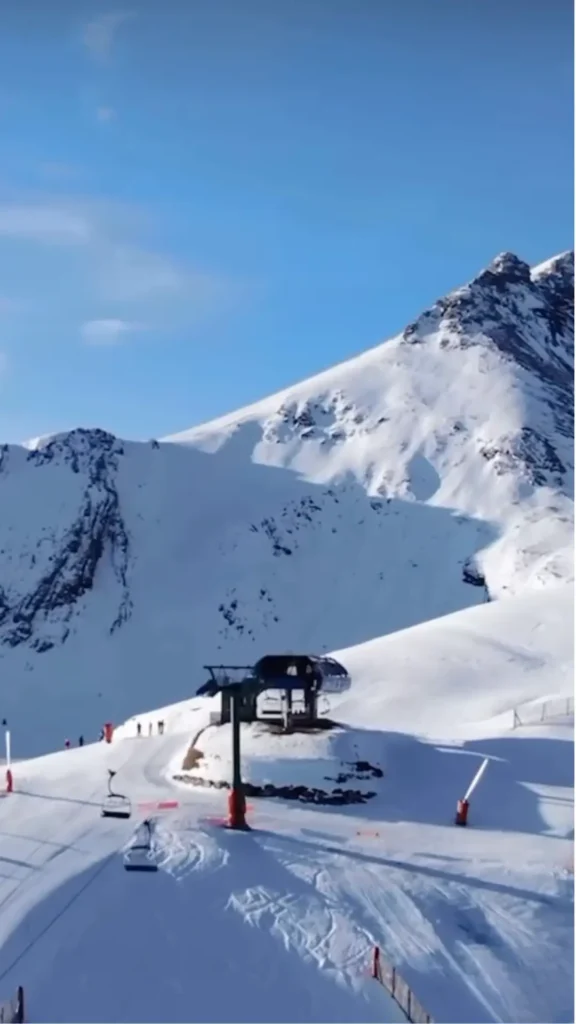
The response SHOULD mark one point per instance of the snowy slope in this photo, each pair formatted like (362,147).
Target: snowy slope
(278,925)
(465,673)
(426,476)
(96,944)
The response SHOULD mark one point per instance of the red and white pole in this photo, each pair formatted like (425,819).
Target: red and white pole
(463,805)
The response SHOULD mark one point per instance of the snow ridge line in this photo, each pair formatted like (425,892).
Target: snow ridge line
(387,975)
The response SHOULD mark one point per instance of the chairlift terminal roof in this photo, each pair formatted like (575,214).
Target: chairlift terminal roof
(300,665)
(281,672)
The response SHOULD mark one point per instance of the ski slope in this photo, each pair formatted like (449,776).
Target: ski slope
(226,930)
(278,924)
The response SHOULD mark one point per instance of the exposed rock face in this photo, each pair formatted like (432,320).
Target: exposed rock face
(41,613)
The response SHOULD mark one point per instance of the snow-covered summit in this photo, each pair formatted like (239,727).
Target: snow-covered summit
(469,408)
(506,324)
(428,474)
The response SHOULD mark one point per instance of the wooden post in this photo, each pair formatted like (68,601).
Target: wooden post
(376,963)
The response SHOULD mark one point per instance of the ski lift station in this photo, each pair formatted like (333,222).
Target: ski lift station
(284,687)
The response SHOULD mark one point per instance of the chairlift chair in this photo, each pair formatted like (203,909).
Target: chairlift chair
(115,805)
(271,704)
(138,856)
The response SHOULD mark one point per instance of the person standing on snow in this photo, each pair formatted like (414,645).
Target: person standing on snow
(67,744)
(80,741)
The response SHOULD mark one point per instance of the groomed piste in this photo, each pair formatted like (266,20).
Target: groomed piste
(280,924)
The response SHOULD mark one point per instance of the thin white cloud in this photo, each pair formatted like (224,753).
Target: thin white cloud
(58,171)
(131,273)
(121,271)
(87,254)
(101,32)
(42,223)
(105,114)
(106,332)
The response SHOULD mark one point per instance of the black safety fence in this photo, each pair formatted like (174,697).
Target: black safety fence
(402,994)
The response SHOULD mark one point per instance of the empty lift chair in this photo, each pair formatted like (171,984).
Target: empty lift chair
(138,857)
(115,805)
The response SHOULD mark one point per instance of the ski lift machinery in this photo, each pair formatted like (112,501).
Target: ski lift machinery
(115,805)
(138,856)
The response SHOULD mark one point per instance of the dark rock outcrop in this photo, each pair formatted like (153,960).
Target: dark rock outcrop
(42,614)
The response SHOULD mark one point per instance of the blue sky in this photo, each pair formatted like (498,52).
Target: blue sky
(203,202)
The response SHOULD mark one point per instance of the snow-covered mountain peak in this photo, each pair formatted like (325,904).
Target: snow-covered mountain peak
(509,266)
(428,474)
(80,448)
(489,366)
(560,266)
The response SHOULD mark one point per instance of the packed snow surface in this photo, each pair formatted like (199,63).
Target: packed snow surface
(279,924)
